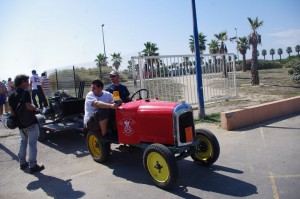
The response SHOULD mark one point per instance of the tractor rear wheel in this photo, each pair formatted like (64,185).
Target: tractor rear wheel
(99,150)
(208,151)
(160,165)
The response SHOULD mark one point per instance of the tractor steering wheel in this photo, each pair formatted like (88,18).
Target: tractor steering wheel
(139,92)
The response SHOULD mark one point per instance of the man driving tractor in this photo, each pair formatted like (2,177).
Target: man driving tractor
(98,104)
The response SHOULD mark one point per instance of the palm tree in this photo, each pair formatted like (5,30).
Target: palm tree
(289,50)
(202,41)
(243,45)
(264,53)
(297,49)
(129,62)
(279,52)
(116,59)
(272,52)
(214,48)
(254,39)
(150,50)
(222,37)
(100,62)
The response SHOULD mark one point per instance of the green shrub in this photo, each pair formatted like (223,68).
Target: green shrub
(294,70)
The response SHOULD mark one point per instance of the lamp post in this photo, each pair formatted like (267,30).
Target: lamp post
(237,51)
(103,41)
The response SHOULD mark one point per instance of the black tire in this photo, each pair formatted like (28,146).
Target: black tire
(99,150)
(160,165)
(208,151)
(42,132)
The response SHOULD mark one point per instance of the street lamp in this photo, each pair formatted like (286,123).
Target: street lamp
(237,51)
(103,41)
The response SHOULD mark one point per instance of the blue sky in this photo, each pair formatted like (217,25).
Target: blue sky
(49,34)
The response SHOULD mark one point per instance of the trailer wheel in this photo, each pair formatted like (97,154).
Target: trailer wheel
(160,165)
(208,151)
(42,132)
(99,150)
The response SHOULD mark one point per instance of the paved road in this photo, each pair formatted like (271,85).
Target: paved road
(257,162)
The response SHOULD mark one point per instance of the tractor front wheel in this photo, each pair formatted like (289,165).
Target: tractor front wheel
(160,165)
(208,151)
(99,150)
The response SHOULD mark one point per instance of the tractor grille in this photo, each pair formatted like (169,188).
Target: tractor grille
(186,125)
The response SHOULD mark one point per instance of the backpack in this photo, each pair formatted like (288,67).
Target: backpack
(25,117)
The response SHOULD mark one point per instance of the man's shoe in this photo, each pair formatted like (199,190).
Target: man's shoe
(23,165)
(36,168)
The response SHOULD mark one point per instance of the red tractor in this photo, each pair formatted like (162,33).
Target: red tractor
(166,133)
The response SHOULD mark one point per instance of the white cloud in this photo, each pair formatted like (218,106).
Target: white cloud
(289,37)
(287,33)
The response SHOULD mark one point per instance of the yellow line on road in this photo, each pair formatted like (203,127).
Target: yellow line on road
(274,188)
(287,176)
(82,173)
(262,136)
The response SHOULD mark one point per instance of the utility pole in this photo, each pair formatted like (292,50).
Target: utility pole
(198,64)
(237,51)
(103,42)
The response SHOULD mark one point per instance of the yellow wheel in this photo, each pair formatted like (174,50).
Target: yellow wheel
(160,165)
(100,151)
(208,151)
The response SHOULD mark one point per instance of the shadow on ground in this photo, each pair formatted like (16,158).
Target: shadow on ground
(54,187)
(130,167)
(68,142)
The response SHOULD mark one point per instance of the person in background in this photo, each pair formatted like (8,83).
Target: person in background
(46,85)
(101,100)
(10,86)
(3,96)
(116,86)
(35,80)
(29,135)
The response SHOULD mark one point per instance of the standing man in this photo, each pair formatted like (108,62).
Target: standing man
(116,86)
(35,81)
(10,86)
(46,85)
(100,100)
(3,96)
(29,134)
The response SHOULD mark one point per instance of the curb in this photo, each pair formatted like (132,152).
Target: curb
(231,120)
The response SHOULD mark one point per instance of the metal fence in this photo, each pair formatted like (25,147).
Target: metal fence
(168,78)
(173,78)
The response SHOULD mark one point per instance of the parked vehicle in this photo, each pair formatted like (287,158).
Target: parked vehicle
(166,133)
(64,113)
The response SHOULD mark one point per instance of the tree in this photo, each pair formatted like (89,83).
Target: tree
(129,65)
(289,51)
(297,49)
(214,49)
(222,37)
(254,38)
(264,53)
(150,50)
(202,42)
(272,52)
(100,62)
(116,59)
(243,45)
(279,52)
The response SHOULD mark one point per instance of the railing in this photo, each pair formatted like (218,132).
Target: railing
(173,77)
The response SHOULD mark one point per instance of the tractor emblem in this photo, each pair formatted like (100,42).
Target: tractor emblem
(127,124)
